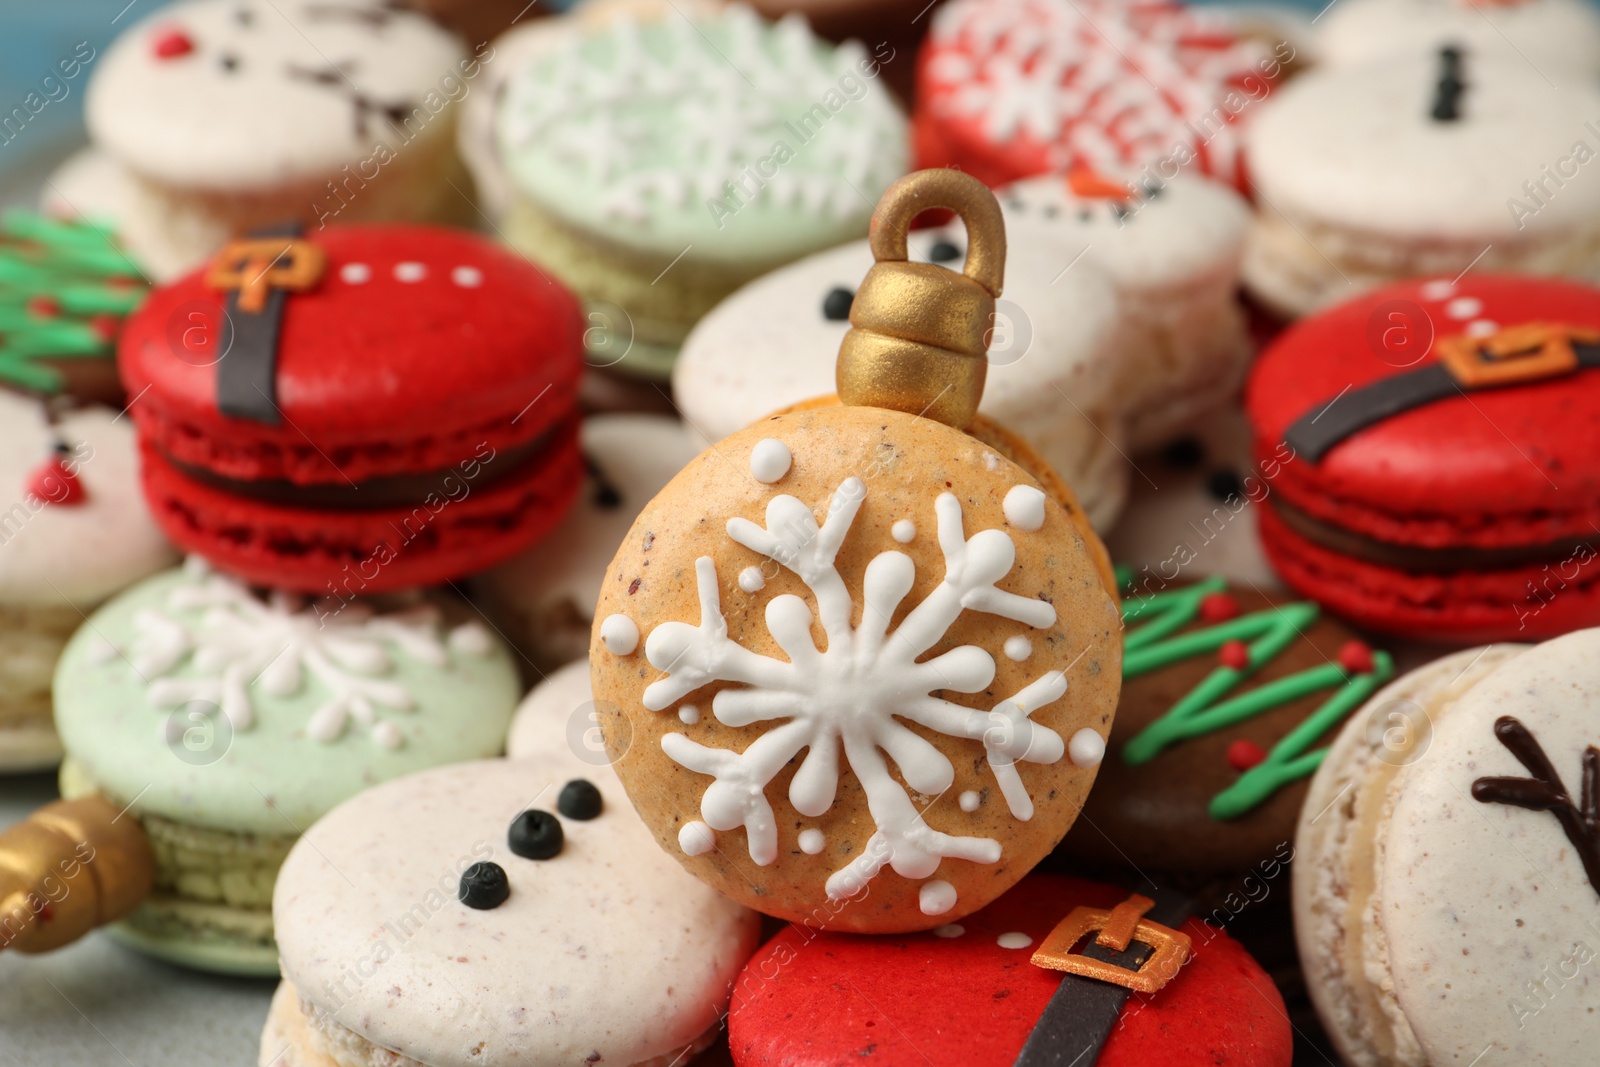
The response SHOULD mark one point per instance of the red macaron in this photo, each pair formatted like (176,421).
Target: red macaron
(1445,479)
(359,409)
(970,993)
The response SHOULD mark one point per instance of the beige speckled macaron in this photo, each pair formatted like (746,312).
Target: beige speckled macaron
(857,668)
(1447,876)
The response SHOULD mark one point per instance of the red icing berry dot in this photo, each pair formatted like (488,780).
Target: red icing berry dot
(55,483)
(171,44)
(1356,657)
(106,327)
(1242,755)
(46,913)
(1235,654)
(43,307)
(1218,607)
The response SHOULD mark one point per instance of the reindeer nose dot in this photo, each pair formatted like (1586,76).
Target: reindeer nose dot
(580,800)
(484,886)
(171,44)
(536,835)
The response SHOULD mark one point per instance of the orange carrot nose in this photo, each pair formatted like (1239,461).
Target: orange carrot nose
(1086,184)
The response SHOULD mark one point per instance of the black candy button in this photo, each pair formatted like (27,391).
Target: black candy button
(943,252)
(535,835)
(836,305)
(579,799)
(1225,485)
(484,886)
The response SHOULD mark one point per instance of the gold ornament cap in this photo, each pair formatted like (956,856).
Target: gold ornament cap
(919,333)
(67,868)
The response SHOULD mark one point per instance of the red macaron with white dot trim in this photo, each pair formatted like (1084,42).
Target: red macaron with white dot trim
(1443,483)
(359,409)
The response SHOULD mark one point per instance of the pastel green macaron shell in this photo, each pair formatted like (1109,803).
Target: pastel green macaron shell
(192,698)
(747,141)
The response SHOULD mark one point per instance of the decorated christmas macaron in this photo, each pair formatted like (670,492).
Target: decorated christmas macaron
(1004,986)
(1053,354)
(223,723)
(228,115)
(660,165)
(1447,883)
(366,409)
(1229,697)
(1420,165)
(74,530)
(497,912)
(876,589)
(543,600)
(1008,89)
(1442,430)
(1558,37)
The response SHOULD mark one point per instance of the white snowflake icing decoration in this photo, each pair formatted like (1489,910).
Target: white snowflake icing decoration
(1101,83)
(235,643)
(853,694)
(731,102)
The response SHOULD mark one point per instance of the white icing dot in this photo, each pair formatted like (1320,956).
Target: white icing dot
(1482,328)
(1014,939)
(101,650)
(471,639)
(1024,507)
(751,579)
(410,271)
(904,531)
(620,634)
(1439,289)
(467,277)
(936,897)
(355,273)
(387,735)
(1086,749)
(688,715)
(970,800)
(991,461)
(812,841)
(1018,648)
(1464,307)
(696,838)
(770,460)
(949,930)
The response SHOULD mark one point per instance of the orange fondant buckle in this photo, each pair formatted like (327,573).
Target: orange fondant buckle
(257,265)
(1116,929)
(1525,353)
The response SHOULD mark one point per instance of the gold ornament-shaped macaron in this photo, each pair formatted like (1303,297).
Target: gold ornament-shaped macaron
(856,663)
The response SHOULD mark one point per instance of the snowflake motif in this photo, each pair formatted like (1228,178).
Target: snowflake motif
(236,642)
(853,694)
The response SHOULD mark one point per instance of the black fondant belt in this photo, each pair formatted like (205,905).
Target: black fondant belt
(1529,352)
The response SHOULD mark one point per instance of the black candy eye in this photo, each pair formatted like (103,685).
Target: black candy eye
(1225,485)
(1186,453)
(943,252)
(1119,209)
(579,800)
(535,835)
(1051,211)
(484,886)
(1085,215)
(229,62)
(836,305)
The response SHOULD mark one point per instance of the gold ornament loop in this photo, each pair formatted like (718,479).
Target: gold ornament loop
(920,332)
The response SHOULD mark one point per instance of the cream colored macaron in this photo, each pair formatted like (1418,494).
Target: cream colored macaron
(1447,871)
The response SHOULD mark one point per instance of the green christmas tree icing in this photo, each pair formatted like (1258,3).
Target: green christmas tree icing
(1153,641)
(65,288)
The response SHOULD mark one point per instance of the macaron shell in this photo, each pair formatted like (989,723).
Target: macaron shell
(1480,898)
(606,948)
(1558,36)
(905,463)
(1516,469)
(195,765)
(958,995)
(465,526)
(72,554)
(556,719)
(474,345)
(230,112)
